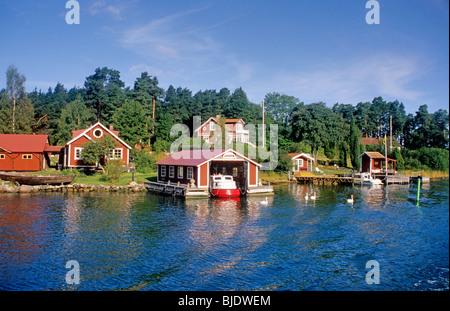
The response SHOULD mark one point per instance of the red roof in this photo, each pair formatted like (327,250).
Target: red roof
(23,142)
(197,157)
(190,157)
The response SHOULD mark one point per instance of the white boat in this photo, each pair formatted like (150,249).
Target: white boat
(366,179)
(223,186)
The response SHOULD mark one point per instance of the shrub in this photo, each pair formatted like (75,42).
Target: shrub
(113,170)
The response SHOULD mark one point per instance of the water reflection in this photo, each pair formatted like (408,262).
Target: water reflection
(141,241)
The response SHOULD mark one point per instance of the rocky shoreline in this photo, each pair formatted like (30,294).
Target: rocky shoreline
(132,187)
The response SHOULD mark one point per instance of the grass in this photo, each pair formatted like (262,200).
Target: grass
(126,178)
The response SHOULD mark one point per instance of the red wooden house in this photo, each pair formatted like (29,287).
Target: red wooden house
(234,129)
(200,164)
(20,152)
(71,154)
(375,163)
(301,162)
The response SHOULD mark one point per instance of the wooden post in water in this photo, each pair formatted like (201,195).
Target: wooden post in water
(418,191)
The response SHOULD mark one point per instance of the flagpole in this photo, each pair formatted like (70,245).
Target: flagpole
(385,156)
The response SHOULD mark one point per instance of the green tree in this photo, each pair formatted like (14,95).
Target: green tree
(132,122)
(75,115)
(354,145)
(15,87)
(96,150)
(318,125)
(104,92)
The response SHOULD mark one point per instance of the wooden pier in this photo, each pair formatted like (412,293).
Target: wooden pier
(324,179)
(348,179)
(180,190)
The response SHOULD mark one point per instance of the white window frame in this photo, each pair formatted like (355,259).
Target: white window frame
(300,163)
(112,154)
(212,126)
(101,133)
(75,156)
(163,170)
(171,171)
(190,173)
(180,170)
(2,157)
(206,138)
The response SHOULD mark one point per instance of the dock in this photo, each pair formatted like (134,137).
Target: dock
(323,179)
(180,190)
(348,179)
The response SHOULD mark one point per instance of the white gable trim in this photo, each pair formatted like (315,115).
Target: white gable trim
(303,155)
(104,128)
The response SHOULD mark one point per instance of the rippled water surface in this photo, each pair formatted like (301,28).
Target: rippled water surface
(140,241)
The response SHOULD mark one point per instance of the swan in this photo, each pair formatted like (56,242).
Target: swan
(313,197)
(350,201)
(265,202)
(306,197)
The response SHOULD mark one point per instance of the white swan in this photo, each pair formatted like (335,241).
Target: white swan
(350,201)
(306,196)
(265,202)
(313,197)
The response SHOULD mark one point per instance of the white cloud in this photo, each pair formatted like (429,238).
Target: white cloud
(101,7)
(385,75)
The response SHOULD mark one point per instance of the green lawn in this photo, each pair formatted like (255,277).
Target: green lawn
(97,179)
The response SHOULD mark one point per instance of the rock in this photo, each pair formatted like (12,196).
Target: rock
(133,184)
(25,189)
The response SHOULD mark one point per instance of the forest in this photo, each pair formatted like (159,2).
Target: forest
(145,113)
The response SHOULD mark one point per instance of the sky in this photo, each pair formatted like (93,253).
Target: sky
(313,50)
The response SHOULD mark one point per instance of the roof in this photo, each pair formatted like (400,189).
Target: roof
(53,148)
(227,121)
(373,155)
(377,155)
(198,157)
(23,142)
(299,155)
(83,132)
(370,141)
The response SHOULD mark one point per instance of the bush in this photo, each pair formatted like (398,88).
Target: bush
(113,170)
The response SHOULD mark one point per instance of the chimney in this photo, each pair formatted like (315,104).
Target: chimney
(111,128)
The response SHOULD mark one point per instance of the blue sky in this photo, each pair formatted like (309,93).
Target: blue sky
(313,50)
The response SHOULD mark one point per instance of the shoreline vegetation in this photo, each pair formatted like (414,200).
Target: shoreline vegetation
(133,182)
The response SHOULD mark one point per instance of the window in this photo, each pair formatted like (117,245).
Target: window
(163,171)
(212,126)
(235,171)
(180,171)
(26,156)
(190,172)
(115,153)
(2,156)
(300,162)
(78,152)
(206,139)
(98,133)
(171,171)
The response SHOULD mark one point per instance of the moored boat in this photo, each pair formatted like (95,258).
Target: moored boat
(366,179)
(223,186)
(24,179)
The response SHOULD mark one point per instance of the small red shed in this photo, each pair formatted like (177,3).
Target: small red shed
(21,152)
(301,162)
(374,163)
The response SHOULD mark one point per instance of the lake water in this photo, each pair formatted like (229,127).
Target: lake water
(140,241)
